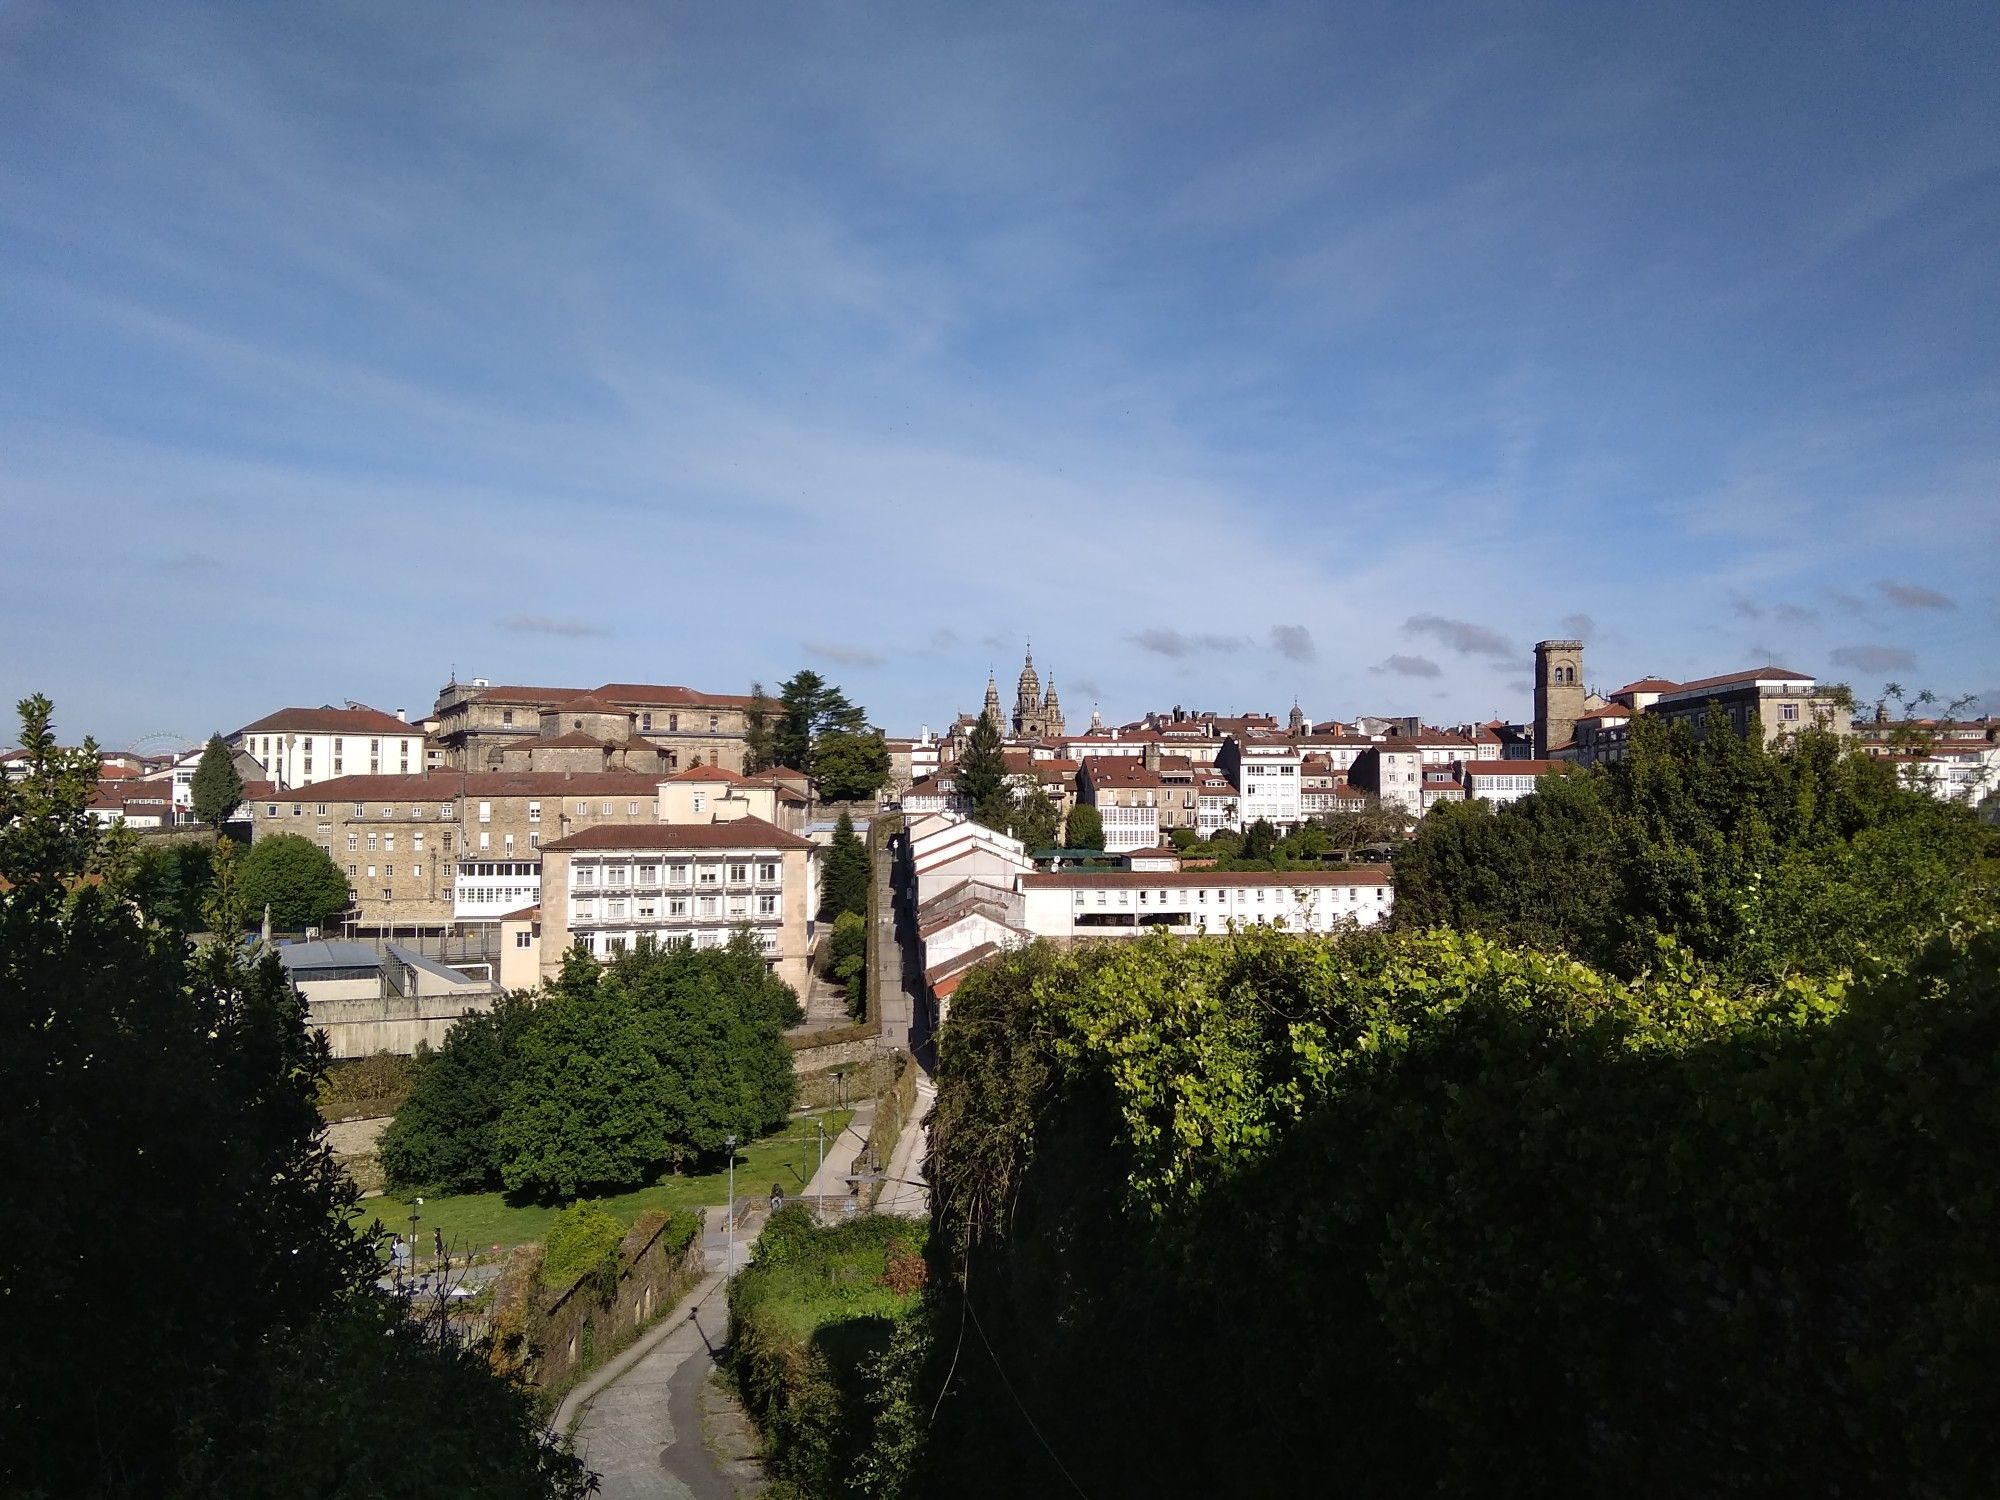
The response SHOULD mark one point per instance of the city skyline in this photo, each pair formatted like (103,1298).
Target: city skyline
(1231,356)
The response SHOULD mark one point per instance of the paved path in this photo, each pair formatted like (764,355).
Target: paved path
(642,1413)
(905,1192)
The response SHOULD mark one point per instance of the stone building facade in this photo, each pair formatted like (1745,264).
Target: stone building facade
(433,850)
(483,727)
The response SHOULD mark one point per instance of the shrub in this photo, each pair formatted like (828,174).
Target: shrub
(582,1241)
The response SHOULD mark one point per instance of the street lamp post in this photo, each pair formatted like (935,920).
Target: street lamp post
(414,1216)
(729,1265)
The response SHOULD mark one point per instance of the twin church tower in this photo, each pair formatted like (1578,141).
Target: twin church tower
(1037,715)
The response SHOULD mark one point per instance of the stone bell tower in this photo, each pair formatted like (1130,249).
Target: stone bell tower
(1559,697)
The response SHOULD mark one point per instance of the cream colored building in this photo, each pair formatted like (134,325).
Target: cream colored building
(606,888)
(434,850)
(301,746)
(479,724)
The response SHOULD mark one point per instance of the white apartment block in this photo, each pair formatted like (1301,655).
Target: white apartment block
(1126,903)
(1503,781)
(1268,772)
(607,888)
(299,746)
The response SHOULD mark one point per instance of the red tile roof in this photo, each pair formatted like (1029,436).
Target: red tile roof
(709,773)
(330,720)
(1738,679)
(651,695)
(1119,771)
(436,786)
(1368,875)
(736,833)
(589,703)
(576,739)
(1477,768)
(1645,685)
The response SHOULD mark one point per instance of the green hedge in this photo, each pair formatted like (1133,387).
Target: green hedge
(1424,1215)
(811,1320)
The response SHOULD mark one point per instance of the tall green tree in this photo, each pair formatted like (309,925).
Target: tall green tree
(1371,822)
(645,1063)
(1259,840)
(1034,819)
(759,731)
(982,770)
(1084,828)
(844,960)
(810,707)
(150,1088)
(849,765)
(845,873)
(296,878)
(217,789)
(443,1139)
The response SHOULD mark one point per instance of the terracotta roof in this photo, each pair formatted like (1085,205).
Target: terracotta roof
(525,914)
(1737,679)
(1475,768)
(148,794)
(959,963)
(576,739)
(513,693)
(1645,685)
(588,703)
(1609,711)
(1370,875)
(330,720)
(1120,771)
(434,786)
(735,833)
(652,695)
(708,773)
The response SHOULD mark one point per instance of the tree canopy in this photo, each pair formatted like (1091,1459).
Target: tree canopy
(845,873)
(1084,829)
(296,878)
(217,788)
(982,770)
(1796,858)
(619,1071)
(187,1303)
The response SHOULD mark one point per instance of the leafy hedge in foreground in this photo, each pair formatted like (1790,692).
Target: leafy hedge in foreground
(811,1320)
(1421,1214)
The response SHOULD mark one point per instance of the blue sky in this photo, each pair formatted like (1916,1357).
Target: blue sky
(1230,352)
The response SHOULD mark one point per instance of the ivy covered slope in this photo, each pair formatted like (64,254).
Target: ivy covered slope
(1419,1213)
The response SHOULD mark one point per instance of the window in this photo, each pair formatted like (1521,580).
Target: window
(534,812)
(447,841)
(350,872)
(321,809)
(767,906)
(534,841)
(389,872)
(387,893)
(417,842)
(271,810)
(1789,712)
(447,809)
(353,842)
(374,842)
(523,939)
(298,809)
(714,723)
(767,870)
(673,721)
(486,812)
(371,872)
(615,875)
(677,875)
(360,808)
(645,721)
(707,875)
(586,874)
(698,798)
(677,906)
(738,874)
(631,809)
(708,906)
(485,840)
(506,716)
(417,871)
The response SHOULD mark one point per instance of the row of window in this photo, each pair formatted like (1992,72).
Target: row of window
(607,944)
(768,873)
(619,908)
(1179,898)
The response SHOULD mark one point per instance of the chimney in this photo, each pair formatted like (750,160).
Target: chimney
(1150,756)
(402,717)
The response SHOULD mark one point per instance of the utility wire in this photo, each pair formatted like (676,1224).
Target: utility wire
(966,1302)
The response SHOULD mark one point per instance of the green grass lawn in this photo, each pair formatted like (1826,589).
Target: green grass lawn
(479,1221)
